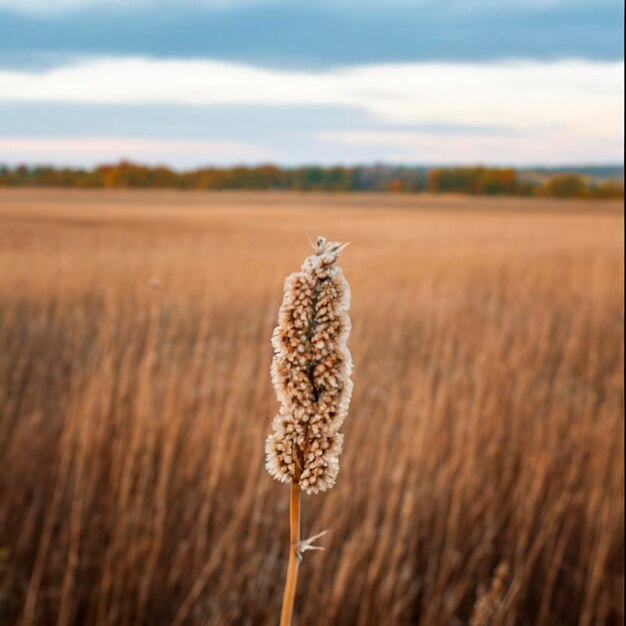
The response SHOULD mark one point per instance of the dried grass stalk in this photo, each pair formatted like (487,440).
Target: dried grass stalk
(311,374)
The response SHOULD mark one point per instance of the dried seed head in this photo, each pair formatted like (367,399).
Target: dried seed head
(311,373)
(489,601)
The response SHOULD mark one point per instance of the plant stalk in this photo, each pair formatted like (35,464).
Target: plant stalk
(289,594)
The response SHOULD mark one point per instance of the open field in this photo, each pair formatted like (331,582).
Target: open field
(486,426)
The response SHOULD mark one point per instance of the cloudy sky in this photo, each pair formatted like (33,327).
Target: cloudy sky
(194,82)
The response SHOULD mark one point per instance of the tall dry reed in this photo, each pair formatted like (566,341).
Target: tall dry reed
(311,372)
(486,423)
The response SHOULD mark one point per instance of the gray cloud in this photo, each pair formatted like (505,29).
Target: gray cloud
(281,34)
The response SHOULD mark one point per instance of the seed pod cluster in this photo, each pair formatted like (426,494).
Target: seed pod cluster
(311,372)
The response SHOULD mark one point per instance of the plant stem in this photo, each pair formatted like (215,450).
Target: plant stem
(289,595)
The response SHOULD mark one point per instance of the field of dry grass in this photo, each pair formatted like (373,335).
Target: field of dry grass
(486,425)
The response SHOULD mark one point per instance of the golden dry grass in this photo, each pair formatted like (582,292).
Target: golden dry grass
(486,424)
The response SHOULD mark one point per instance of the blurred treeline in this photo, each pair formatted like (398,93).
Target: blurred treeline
(587,183)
